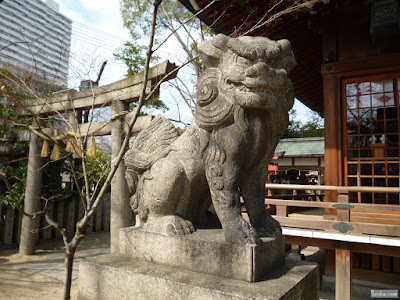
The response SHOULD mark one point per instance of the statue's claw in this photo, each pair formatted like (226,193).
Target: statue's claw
(170,225)
(239,231)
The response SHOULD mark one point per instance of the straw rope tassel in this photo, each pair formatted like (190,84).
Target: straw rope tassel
(92,147)
(70,145)
(55,155)
(77,150)
(45,149)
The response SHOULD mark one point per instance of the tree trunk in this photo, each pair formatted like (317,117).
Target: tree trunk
(69,261)
(29,234)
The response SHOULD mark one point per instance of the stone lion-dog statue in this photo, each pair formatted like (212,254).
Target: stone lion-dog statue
(243,98)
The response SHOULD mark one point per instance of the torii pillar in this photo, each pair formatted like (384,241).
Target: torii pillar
(29,228)
(120,210)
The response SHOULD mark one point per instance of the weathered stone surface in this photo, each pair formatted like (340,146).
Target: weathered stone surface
(204,251)
(243,98)
(117,278)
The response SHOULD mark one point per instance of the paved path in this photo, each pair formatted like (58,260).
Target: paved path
(40,276)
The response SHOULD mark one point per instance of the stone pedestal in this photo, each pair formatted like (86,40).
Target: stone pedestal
(204,251)
(197,266)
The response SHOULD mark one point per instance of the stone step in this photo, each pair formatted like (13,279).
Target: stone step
(110,277)
(204,251)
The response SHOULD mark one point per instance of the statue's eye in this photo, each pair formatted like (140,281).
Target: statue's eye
(241,61)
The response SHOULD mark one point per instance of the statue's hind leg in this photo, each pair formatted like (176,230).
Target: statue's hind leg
(160,191)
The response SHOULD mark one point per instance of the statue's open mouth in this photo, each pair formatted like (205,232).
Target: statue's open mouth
(245,87)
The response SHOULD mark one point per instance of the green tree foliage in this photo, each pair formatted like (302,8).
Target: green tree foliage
(53,189)
(97,168)
(173,20)
(10,95)
(133,57)
(314,127)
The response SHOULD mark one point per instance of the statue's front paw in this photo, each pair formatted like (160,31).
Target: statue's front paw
(170,225)
(269,227)
(238,231)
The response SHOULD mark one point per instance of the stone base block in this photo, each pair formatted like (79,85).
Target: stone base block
(110,277)
(204,251)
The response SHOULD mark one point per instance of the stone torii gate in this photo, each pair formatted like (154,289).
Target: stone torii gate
(118,95)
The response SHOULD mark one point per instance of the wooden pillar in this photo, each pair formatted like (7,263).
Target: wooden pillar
(343,272)
(32,196)
(120,212)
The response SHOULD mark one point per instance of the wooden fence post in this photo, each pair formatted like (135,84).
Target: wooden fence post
(9,225)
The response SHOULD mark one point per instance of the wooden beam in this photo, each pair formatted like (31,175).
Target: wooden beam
(128,90)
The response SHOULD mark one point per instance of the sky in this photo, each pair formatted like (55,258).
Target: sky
(97,33)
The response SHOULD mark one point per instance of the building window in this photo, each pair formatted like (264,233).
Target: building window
(371,131)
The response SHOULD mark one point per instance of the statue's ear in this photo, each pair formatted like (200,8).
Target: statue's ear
(211,51)
(212,109)
(288,59)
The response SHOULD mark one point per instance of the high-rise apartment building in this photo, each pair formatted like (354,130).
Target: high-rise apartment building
(36,38)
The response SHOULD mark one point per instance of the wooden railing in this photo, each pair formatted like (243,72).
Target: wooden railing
(348,238)
(342,223)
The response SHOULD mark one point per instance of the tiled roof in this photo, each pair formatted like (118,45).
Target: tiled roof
(301,147)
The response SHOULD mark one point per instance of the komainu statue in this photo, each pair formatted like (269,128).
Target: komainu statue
(243,98)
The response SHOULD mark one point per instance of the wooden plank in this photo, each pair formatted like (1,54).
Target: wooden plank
(375,249)
(356,260)
(366,261)
(333,244)
(343,273)
(106,213)
(2,222)
(330,262)
(9,225)
(373,218)
(376,263)
(358,207)
(366,228)
(366,189)
(60,216)
(98,216)
(19,226)
(396,265)
(46,233)
(128,89)
(298,203)
(386,264)
(369,275)
(385,61)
